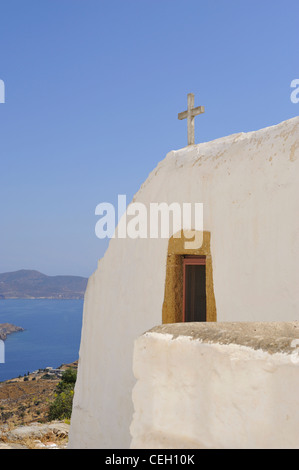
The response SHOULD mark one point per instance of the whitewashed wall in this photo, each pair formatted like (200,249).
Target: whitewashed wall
(248,184)
(217,389)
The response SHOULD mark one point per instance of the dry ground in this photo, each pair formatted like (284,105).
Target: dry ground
(23,402)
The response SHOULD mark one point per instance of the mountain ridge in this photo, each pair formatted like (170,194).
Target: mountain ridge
(32,284)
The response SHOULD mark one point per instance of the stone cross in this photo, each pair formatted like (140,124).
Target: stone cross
(190,115)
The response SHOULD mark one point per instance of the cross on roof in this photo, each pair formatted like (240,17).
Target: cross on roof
(190,115)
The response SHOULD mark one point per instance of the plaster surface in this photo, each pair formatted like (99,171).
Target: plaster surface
(248,184)
(217,386)
(271,337)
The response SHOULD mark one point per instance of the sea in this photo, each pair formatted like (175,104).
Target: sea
(51,336)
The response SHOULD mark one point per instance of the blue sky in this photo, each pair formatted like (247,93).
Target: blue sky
(92,93)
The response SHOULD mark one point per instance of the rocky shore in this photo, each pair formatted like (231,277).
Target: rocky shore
(7,329)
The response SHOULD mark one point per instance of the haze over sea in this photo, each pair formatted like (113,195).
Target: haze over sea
(51,337)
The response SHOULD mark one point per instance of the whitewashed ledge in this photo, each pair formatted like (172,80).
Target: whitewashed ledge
(217,385)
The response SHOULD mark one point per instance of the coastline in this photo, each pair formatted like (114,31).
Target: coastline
(58,297)
(51,336)
(7,329)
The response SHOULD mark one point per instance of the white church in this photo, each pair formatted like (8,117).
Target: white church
(171,330)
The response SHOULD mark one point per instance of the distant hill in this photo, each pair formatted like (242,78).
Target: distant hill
(27,284)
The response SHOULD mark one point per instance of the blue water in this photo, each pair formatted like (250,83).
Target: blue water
(51,337)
